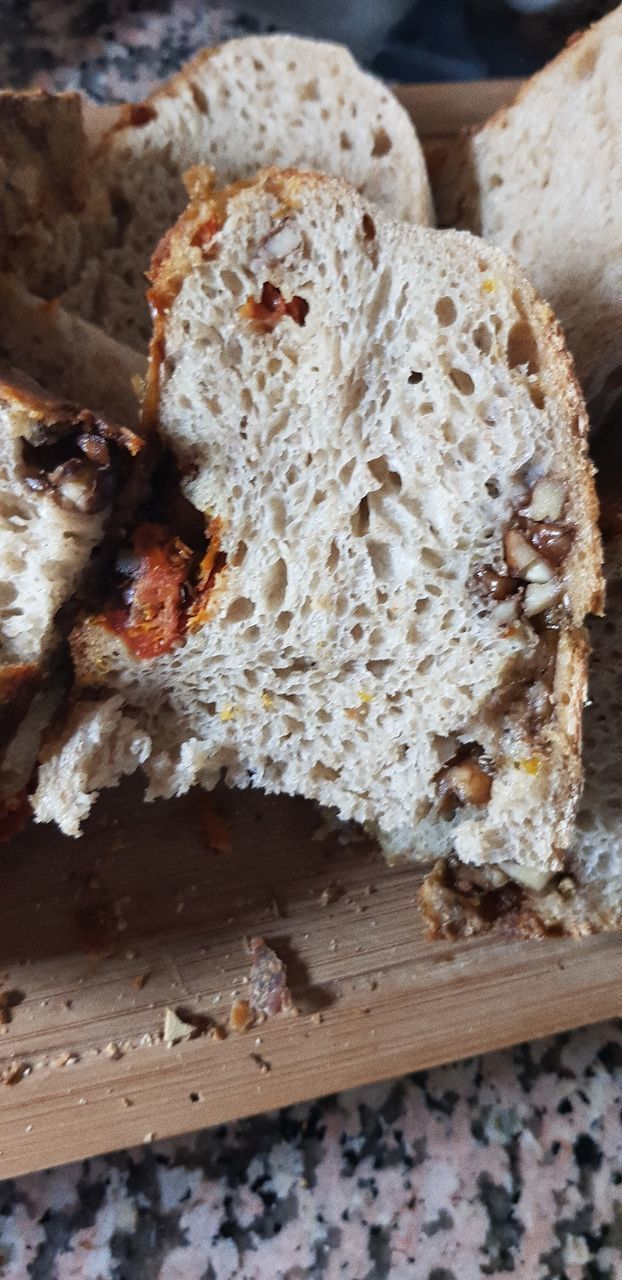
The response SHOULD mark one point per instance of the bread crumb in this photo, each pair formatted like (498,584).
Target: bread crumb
(241,1015)
(15,1073)
(264,1066)
(149,1137)
(127,1102)
(316,1018)
(269,992)
(218,1033)
(139,980)
(175,1029)
(112,1051)
(217,830)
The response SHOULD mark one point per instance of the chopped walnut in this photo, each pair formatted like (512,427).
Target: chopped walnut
(463,782)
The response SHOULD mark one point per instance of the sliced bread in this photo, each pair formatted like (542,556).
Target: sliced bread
(63,474)
(255,101)
(53,217)
(543,180)
(380,427)
(585,896)
(73,359)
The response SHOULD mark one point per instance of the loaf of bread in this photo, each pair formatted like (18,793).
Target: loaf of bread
(64,474)
(73,359)
(53,216)
(543,180)
(585,896)
(255,101)
(380,428)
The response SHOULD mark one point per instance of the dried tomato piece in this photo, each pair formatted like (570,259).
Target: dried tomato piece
(212,563)
(154,622)
(272,307)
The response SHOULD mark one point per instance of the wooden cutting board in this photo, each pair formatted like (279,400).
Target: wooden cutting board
(101,935)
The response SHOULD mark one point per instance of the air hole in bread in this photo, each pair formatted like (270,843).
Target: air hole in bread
(277,508)
(239,610)
(492,488)
(291,475)
(446,310)
(347,471)
(381,559)
(276,584)
(462,381)
(323,773)
(495,181)
(345,142)
(378,667)
(198,97)
(360,519)
(319,497)
(357,632)
(8,594)
(522,348)
(333,557)
(368,226)
(482,338)
(382,143)
(415,377)
(536,393)
(232,282)
(381,472)
(283,621)
(239,555)
(309,92)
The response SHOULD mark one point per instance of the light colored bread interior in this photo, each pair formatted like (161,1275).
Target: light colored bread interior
(99,744)
(363,458)
(543,179)
(70,357)
(255,101)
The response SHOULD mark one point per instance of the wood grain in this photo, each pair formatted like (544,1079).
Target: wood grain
(142,896)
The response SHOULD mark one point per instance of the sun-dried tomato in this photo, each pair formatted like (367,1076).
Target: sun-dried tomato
(154,620)
(213,561)
(204,236)
(272,307)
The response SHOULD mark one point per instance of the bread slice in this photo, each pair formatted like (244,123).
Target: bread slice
(379,424)
(64,474)
(73,359)
(585,896)
(543,180)
(52,216)
(255,101)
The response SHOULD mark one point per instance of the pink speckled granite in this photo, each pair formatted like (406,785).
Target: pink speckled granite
(510,1163)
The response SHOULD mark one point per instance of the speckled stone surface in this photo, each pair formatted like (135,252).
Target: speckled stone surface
(510,1163)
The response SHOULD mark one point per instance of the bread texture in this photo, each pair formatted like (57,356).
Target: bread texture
(63,476)
(543,180)
(360,411)
(586,895)
(73,359)
(52,216)
(252,102)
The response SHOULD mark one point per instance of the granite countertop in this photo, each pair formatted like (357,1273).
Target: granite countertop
(507,1163)
(510,1163)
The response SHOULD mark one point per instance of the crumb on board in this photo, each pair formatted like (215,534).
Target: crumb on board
(15,1072)
(241,1016)
(176,1029)
(260,1062)
(113,1051)
(269,992)
(331,893)
(218,1033)
(127,1102)
(139,980)
(149,1137)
